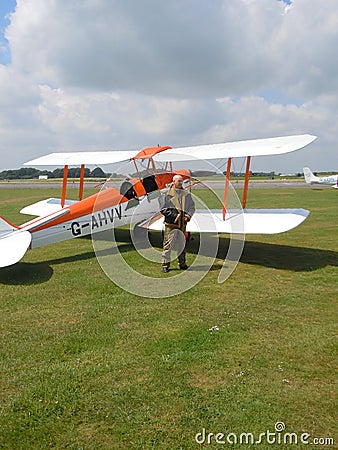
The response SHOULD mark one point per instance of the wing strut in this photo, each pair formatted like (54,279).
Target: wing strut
(64,186)
(246,182)
(152,163)
(138,173)
(82,172)
(65,180)
(226,189)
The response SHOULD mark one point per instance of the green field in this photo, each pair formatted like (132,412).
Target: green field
(85,365)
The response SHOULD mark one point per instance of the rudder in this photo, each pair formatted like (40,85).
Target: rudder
(309,177)
(6,227)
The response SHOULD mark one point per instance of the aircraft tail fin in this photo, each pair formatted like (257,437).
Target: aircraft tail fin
(6,227)
(309,176)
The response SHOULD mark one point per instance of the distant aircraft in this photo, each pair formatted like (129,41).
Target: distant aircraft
(311,178)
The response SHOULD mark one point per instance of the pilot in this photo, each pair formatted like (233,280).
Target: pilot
(177,207)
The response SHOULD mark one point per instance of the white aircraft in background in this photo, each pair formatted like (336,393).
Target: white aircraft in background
(311,178)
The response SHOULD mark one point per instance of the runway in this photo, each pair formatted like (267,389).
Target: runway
(213,184)
(261,184)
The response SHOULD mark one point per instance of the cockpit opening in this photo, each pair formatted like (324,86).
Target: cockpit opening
(149,184)
(127,189)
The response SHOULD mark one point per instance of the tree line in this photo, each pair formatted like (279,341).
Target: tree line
(31,173)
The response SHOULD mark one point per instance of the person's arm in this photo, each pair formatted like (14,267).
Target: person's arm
(189,207)
(168,211)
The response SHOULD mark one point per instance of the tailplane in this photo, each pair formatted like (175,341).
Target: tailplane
(13,246)
(309,176)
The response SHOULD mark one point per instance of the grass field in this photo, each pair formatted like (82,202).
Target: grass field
(85,365)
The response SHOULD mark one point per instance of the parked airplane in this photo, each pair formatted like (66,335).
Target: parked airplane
(137,200)
(311,178)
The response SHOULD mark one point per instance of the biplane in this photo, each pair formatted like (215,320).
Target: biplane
(59,219)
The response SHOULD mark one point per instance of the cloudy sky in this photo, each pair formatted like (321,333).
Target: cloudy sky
(127,74)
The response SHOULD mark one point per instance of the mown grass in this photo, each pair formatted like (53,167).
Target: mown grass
(85,365)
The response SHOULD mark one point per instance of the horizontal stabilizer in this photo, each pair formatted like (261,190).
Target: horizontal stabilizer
(13,246)
(249,221)
(45,207)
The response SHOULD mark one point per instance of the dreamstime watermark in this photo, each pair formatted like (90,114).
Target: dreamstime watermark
(127,273)
(276,437)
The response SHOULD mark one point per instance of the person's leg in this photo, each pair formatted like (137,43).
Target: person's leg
(168,238)
(181,252)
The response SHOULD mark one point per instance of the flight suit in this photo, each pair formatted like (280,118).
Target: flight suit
(177,207)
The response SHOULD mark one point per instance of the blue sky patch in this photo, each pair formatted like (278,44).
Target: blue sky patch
(6,7)
(276,96)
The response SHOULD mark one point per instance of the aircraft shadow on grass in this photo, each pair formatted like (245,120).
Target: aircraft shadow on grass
(283,257)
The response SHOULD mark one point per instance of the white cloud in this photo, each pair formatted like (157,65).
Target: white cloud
(176,49)
(127,74)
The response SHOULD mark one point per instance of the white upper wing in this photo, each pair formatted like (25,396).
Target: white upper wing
(78,158)
(256,147)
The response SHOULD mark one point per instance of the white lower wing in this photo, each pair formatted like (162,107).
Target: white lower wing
(249,221)
(45,207)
